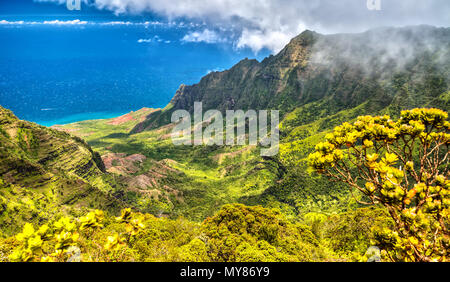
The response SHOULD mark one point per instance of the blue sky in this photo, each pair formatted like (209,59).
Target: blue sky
(16,10)
(255,24)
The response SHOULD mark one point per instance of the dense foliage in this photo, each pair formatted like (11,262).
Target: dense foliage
(236,233)
(402,165)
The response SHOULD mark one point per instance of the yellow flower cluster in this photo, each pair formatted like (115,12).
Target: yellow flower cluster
(134,224)
(92,220)
(51,241)
(114,242)
(62,232)
(56,241)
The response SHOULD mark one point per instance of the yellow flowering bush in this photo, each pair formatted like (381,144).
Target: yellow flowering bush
(49,243)
(134,224)
(59,241)
(402,165)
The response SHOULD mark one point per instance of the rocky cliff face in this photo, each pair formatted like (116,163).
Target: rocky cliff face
(386,68)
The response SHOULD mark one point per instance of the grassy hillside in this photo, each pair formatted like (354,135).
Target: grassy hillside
(44,171)
(170,180)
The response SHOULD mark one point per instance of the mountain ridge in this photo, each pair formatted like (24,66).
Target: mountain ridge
(314,67)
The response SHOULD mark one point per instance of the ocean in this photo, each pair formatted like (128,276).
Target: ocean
(59,73)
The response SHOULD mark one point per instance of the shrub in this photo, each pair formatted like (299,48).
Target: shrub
(402,165)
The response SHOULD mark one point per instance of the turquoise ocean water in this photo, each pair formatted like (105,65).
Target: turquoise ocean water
(57,74)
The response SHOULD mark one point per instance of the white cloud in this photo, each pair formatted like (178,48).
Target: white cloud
(155,38)
(79,22)
(271,39)
(116,23)
(54,22)
(207,36)
(271,23)
(58,22)
(144,41)
(4,22)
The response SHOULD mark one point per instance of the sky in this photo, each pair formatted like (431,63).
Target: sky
(263,24)
(59,66)
(112,56)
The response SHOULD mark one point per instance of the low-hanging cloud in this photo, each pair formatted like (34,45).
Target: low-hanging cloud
(271,23)
(381,52)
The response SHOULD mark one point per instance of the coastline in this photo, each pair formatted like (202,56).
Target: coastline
(81,117)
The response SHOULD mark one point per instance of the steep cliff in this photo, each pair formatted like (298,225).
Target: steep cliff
(43,171)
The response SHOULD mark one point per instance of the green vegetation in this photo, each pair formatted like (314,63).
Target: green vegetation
(235,233)
(222,203)
(410,181)
(44,171)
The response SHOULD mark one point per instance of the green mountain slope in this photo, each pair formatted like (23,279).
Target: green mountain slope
(317,82)
(405,67)
(43,171)
(169,180)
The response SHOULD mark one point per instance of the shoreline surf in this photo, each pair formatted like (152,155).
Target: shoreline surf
(80,118)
